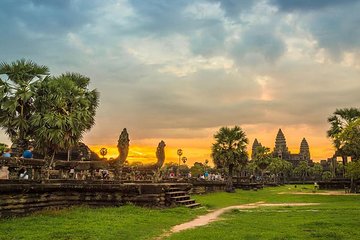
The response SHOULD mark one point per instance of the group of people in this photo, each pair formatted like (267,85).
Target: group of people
(23,174)
(211,176)
(26,154)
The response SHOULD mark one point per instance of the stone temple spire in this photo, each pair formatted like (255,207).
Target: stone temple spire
(305,150)
(280,145)
(255,145)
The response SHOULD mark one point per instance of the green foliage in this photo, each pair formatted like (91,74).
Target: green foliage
(65,109)
(3,146)
(17,94)
(184,170)
(278,166)
(316,170)
(229,147)
(327,175)
(197,169)
(302,170)
(349,139)
(262,157)
(344,131)
(169,167)
(353,170)
(252,167)
(52,111)
(229,151)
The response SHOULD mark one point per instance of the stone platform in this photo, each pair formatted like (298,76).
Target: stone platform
(20,197)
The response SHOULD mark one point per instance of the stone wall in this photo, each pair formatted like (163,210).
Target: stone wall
(201,187)
(19,197)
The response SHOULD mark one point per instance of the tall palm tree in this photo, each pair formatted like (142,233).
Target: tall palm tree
(65,110)
(262,158)
(229,151)
(17,94)
(339,121)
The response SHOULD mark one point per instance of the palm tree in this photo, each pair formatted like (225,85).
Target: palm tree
(229,151)
(302,170)
(262,159)
(17,94)
(339,121)
(349,140)
(65,110)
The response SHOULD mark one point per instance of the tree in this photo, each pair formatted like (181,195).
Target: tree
(184,170)
(197,169)
(316,171)
(17,95)
(353,172)
(339,121)
(65,109)
(302,170)
(252,167)
(279,166)
(169,167)
(326,176)
(349,139)
(262,159)
(229,151)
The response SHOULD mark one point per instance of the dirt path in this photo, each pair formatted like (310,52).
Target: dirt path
(214,215)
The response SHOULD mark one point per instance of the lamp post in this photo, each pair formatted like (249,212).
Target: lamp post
(103,152)
(179,153)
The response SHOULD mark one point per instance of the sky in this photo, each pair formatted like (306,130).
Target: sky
(179,70)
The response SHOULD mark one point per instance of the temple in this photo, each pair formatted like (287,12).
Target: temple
(281,150)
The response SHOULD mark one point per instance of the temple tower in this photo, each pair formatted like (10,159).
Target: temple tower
(304,150)
(255,145)
(281,150)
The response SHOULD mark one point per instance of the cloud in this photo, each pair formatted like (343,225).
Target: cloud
(181,69)
(306,5)
(333,24)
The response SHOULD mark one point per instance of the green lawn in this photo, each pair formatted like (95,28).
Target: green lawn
(337,217)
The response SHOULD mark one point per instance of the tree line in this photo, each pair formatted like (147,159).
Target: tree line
(229,151)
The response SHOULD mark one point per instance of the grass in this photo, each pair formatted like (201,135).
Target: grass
(337,217)
(126,222)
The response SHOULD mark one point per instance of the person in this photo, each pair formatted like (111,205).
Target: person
(4,172)
(7,152)
(23,173)
(28,153)
(105,174)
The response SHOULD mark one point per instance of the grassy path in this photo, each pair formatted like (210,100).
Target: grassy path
(336,217)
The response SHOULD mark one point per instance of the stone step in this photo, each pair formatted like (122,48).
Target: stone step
(193,205)
(173,189)
(186,202)
(180,198)
(173,194)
